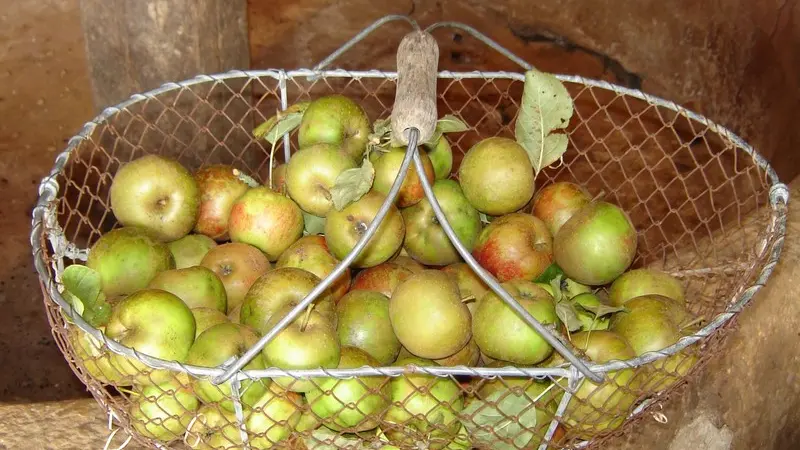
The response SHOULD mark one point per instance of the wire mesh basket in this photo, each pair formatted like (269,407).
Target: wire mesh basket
(707,208)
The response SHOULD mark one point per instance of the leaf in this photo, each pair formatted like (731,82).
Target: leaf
(601,309)
(82,288)
(555,284)
(485,219)
(568,315)
(546,107)
(352,184)
(503,414)
(552,271)
(574,288)
(451,124)
(281,123)
(312,224)
(431,142)
(324,439)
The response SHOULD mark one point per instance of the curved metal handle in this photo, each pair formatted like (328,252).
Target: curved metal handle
(415,97)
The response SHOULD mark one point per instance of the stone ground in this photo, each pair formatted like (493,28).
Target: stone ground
(747,398)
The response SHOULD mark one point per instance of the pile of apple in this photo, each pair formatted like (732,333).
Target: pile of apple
(205,263)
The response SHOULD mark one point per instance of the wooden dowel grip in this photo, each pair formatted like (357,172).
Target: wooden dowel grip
(415,100)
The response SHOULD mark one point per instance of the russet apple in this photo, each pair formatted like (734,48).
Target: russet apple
(189,250)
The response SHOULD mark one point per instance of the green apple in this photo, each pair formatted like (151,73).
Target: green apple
(514,246)
(214,347)
(311,253)
(426,240)
(441,156)
(127,259)
(164,411)
(383,278)
(238,266)
(353,404)
(312,172)
(286,286)
(637,282)
(189,250)
(338,120)
(424,408)
(343,230)
(274,418)
(428,317)
(95,357)
(363,322)
(155,323)
(502,334)
(469,283)
(309,342)
(158,194)
(496,176)
(596,245)
(387,167)
(197,286)
(206,318)
(467,356)
(557,202)
(214,428)
(219,187)
(267,220)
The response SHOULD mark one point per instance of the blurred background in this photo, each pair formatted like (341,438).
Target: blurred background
(735,61)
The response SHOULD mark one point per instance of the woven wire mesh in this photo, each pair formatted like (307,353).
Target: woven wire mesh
(699,201)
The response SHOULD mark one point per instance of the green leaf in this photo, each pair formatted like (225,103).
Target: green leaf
(574,288)
(82,288)
(555,284)
(485,219)
(549,274)
(431,142)
(281,123)
(352,184)
(312,224)
(546,108)
(76,303)
(602,310)
(451,124)
(503,414)
(568,315)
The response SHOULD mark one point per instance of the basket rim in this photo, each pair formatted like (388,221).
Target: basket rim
(43,219)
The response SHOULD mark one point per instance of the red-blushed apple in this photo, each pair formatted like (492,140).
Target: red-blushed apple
(338,120)
(279,179)
(343,230)
(238,266)
(382,278)
(189,250)
(312,172)
(426,240)
(596,245)
(157,194)
(557,202)
(496,176)
(267,220)
(387,167)
(514,246)
(220,187)
(311,253)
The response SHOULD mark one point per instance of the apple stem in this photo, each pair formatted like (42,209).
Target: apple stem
(468,299)
(599,196)
(692,322)
(306,317)
(271,159)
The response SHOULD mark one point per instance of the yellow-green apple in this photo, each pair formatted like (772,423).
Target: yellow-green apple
(155,323)
(217,345)
(309,342)
(363,322)
(214,428)
(286,286)
(157,194)
(514,246)
(467,356)
(387,167)
(238,266)
(274,418)
(343,230)
(502,334)
(496,176)
(189,250)
(428,317)
(312,172)
(127,259)
(469,284)
(426,240)
(424,408)
(206,318)
(164,411)
(338,120)
(354,404)
(637,282)
(220,186)
(382,278)
(441,156)
(311,253)
(557,202)
(197,286)
(95,357)
(596,245)
(408,262)
(267,220)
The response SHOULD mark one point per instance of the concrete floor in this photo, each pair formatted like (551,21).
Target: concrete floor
(749,398)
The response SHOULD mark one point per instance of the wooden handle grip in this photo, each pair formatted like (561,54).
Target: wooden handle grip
(415,100)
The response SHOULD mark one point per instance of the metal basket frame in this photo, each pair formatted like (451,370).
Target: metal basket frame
(45,228)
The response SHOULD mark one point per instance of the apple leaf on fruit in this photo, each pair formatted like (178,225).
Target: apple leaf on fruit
(502,414)
(82,288)
(312,224)
(450,124)
(574,288)
(352,184)
(281,123)
(564,309)
(546,108)
(601,310)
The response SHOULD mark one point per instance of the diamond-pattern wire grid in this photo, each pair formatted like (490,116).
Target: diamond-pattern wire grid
(686,188)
